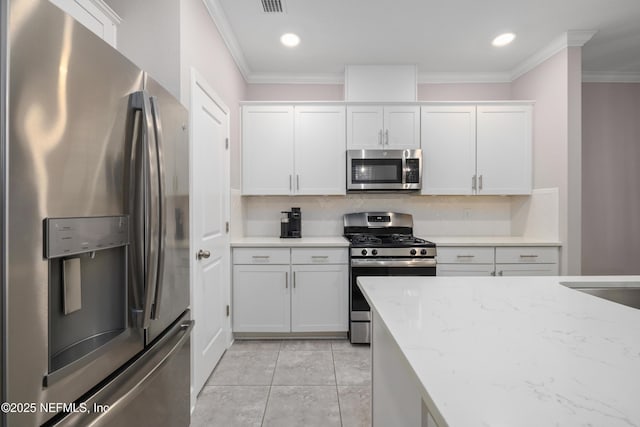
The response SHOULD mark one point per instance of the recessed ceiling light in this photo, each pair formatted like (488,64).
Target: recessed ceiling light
(290,39)
(503,39)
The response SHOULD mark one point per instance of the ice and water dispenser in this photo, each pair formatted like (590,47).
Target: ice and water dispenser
(87,260)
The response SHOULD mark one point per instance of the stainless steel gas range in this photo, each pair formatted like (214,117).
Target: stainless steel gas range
(382,244)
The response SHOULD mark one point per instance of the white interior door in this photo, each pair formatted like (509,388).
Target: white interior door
(210,213)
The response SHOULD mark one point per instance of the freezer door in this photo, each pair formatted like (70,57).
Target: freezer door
(152,392)
(67,120)
(171,119)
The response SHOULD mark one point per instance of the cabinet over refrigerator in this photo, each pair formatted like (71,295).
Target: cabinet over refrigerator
(95,279)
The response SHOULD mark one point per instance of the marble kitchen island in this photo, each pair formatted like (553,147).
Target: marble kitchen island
(502,351)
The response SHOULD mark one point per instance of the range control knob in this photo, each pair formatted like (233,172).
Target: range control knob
(423,252)
(412,251)
(374,252)
(364,252)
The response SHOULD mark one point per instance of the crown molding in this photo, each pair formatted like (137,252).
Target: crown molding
(106,9)
(296,78)
(493,77)
(610,77)
(222,23)
(573,38)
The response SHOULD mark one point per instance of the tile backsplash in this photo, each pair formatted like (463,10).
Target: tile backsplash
(432,215)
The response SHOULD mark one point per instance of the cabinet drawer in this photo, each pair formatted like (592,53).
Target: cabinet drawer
(465,255)
(320,255)
(527,255)
(261,256)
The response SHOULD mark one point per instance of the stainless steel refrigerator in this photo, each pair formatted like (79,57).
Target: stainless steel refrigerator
(95,208)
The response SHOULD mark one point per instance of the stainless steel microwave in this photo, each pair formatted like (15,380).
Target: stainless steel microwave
(384,170)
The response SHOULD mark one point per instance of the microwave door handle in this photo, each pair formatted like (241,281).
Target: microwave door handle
(404,169)
(162,208)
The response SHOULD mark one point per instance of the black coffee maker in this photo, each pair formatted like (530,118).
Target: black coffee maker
(291,224)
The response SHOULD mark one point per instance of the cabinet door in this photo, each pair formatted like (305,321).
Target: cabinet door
(465,270)
(448,149)
(504,149)
(261,298)
(401,127)
(320,298)
(526,269)
(267,150)
(364,127)
(320,150)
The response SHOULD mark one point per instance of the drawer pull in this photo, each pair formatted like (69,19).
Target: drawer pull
(261,256)
(466,256)
(319,256)
(528,256)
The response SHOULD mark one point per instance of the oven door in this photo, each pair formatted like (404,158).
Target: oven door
(360,314)
(383,170)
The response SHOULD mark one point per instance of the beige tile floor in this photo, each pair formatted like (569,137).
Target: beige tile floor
(287,384)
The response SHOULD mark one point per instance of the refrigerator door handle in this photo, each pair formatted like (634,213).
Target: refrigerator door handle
(162,206)
(149,216)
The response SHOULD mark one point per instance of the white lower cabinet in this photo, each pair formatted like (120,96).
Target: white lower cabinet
(498,261)
(464,270)
(526,269)
(261,301)
(305,291)
(320,298)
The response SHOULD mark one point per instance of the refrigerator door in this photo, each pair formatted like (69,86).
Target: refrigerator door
(153,391)
(171,296)
(66,154)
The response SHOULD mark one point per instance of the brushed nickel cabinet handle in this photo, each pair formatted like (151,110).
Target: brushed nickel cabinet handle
(480,182)
(473,182)
(286,280)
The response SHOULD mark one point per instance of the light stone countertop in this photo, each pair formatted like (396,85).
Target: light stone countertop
(276,242)
(491,241)
(515,351)
(329,241)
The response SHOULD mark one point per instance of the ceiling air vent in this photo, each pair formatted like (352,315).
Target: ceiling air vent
(273,6)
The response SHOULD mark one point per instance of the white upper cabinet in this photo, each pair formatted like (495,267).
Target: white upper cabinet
(483,150)
(93,14)
(504,149)
(289,150)
(267,150)
(449,149)
(383,127)
(320,150)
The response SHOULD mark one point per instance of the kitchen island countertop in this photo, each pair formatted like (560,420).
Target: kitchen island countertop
(512,351)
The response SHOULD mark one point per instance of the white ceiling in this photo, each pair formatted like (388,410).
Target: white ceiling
(447,39)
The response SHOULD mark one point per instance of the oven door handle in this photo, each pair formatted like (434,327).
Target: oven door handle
(429,262)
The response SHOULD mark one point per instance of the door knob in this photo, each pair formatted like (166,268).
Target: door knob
(203,254)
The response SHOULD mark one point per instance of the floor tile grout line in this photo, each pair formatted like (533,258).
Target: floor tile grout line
(266,405)
(335,374)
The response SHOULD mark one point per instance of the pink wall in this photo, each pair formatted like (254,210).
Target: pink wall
(464,92)
(295,92)
(203,48)
(335,92)
(611,178)
(548,85)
